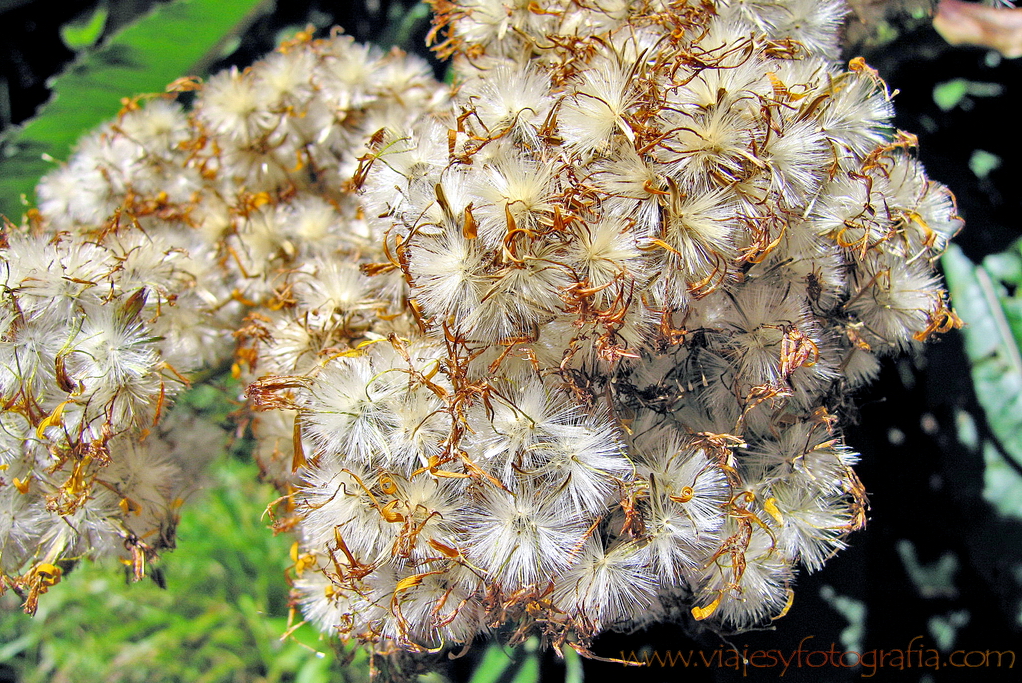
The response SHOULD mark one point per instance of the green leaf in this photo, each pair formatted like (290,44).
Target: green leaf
(573,666)
(529,671)
(987,298)
(176,39)
(495,662)
(1002,484)
(78,35)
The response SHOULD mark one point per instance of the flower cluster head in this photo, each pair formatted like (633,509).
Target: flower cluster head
(649,249)
(148,250)
(562,349)
(92,347)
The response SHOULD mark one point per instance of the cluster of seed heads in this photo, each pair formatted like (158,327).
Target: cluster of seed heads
(148,249)
(560,349)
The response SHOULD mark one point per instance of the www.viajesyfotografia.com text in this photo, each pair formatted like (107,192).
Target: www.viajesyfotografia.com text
(916,655)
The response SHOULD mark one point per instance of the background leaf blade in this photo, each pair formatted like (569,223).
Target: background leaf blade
(986,297)
(176,39)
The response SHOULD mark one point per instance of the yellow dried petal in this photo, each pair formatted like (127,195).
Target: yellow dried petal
(787,605)
(51,420)
(408,582)
(700,613)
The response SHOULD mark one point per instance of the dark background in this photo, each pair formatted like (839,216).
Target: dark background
(925,486)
